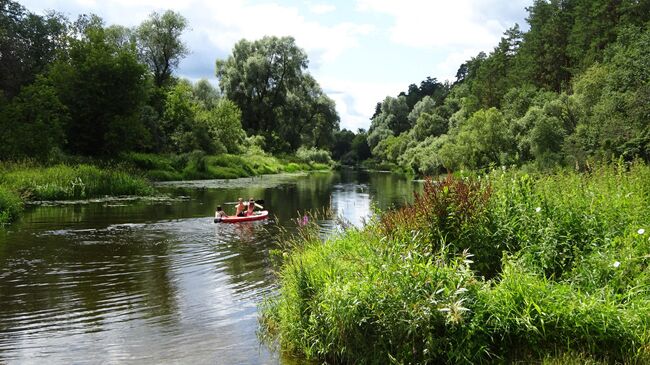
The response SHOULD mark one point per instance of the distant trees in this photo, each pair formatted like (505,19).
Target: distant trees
(573,88)
(28,44)
(160,45)
(267,79)
(102,85)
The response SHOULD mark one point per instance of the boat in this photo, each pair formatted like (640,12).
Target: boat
(263,214)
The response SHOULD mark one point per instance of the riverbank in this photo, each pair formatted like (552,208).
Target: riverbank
(504,267)
(22,183)
(198,166)
(132,174)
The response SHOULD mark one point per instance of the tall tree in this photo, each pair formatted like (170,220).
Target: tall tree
(160,44)
(103,86)
(267,79)
(28,43)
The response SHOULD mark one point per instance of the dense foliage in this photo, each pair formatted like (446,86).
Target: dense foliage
(510,267)
(571,90)
(86,89)
(279,100)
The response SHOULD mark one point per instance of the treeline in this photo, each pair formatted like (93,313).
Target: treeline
(571,90)
(83,88)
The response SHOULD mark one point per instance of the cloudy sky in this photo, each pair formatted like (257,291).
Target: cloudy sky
(360,51)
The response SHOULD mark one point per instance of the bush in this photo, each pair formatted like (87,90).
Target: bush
(311,155)
(10,206)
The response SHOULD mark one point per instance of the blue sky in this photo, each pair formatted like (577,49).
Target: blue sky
(360,51)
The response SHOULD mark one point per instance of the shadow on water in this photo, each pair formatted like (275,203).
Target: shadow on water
(154,280)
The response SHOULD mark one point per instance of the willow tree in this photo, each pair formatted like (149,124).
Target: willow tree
(279,100)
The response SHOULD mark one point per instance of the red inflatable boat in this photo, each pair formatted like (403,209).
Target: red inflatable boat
(263,214)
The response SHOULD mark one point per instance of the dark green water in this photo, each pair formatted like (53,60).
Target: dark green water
(155,281)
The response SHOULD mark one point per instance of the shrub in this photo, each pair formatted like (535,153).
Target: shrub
(10,206)
(311,155)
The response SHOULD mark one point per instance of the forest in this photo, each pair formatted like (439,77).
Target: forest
(571,90)
(82,88)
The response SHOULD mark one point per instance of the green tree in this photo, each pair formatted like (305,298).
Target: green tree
(160,44)
(224,123)
(28,44)
(33,123)
(267,79)
(206,94)
(483,140)
(103,86)
(342,143)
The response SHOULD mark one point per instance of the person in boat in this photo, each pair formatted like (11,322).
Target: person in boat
(220,213)
(251,207)
(241,208)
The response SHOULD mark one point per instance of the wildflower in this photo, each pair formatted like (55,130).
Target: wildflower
(641,231)
(304,221)
(616,264)
(538,209)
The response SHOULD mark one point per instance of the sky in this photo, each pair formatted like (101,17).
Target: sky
(360,51)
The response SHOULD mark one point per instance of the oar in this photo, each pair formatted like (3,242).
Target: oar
(260,201)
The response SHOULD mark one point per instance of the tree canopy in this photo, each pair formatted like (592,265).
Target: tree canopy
(279,100)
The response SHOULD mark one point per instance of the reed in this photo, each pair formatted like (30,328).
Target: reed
(505,267)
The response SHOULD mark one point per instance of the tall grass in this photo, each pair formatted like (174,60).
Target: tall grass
(10,206)
(197,165)
(507,267)
(62,182)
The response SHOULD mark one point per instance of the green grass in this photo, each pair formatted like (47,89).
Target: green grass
(198,166)
(62,182)
(23,182)
(506,268)
(10,206)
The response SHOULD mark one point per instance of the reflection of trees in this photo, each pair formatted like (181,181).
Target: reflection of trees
(83,282)
(390,190)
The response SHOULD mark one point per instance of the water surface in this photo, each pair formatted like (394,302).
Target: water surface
(152,281)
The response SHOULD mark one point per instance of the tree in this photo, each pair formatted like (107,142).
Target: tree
(342,143)
(33,123)
(484,139)
(160,44)
(224,123)
(267,79)
(103,86)
(206,94)
(28,44)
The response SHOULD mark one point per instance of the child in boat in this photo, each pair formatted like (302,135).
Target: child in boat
(241,208)
(251,207)
(220,213)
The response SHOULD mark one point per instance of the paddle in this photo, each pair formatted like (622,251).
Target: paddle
(260,202)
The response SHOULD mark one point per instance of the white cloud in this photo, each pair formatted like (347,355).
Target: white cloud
(355,101)
(238,19)
(322,8)
(430,24)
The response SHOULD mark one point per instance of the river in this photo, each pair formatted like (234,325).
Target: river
(154,280)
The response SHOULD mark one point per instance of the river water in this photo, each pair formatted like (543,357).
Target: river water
(152,281)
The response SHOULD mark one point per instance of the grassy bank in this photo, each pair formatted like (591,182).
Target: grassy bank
(23,182)
(20,183)
(504,268)
(197,166)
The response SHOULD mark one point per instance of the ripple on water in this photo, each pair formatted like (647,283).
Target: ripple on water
(131,286)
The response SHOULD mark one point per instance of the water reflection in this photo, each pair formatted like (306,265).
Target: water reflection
(153,280)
